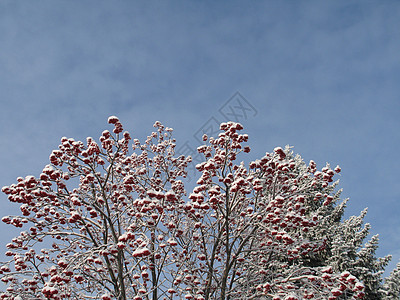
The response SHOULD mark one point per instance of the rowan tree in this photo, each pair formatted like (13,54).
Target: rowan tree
(113,220)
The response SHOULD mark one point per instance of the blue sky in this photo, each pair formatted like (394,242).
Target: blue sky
(322,76)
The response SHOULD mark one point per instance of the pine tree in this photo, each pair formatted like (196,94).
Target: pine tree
(391,287)
(369,269)
(344,245)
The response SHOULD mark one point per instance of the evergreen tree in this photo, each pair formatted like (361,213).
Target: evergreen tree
(391,287)
(345,247)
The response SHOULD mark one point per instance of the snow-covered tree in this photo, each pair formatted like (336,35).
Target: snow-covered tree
(391,287)
(345,248)
(112,221)
(350,253)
